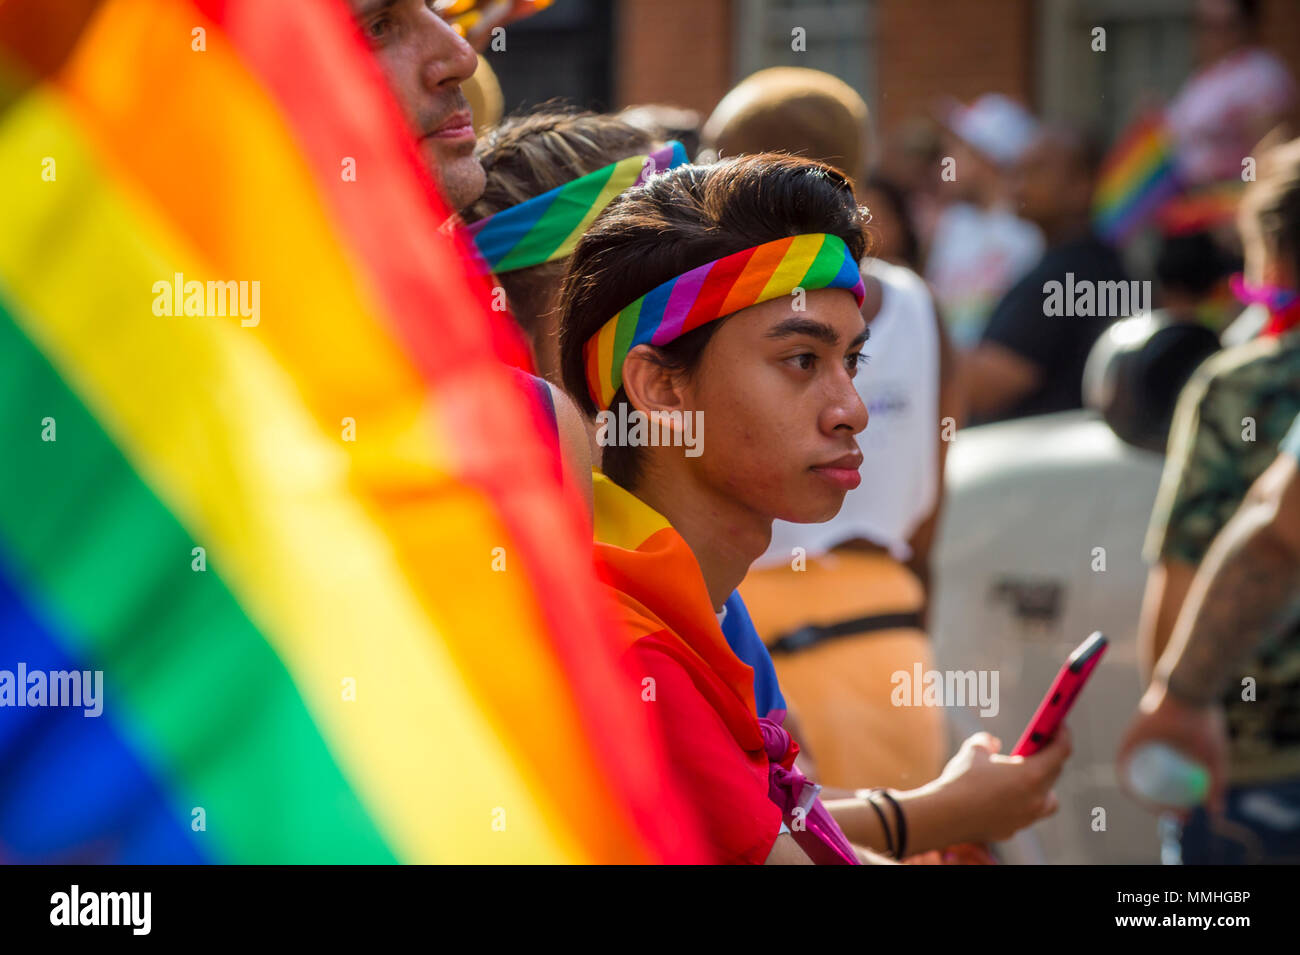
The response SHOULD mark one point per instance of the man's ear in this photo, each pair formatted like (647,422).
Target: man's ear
(649,385)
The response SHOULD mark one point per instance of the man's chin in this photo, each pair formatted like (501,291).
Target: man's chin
(460,177)
(817,510)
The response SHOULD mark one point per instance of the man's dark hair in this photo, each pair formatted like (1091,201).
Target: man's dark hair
(1193,263)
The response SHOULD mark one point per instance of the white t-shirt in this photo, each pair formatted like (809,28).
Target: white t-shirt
(900,468)
(976,255)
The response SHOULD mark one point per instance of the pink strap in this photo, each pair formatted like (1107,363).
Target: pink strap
(810,823)
(1249,293)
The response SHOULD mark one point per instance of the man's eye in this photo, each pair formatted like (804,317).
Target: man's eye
(855,361)
(377,29)
(806,361)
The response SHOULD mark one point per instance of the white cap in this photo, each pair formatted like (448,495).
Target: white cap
(996,126)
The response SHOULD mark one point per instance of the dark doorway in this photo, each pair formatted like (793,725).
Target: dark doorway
(563,52)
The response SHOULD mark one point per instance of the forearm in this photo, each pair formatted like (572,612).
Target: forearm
(930,823)
(1166,592)
(993,379)
(1243,591)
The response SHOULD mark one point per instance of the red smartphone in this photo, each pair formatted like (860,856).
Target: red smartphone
(1061,695)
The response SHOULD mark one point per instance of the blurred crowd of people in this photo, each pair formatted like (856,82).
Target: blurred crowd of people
(954,231)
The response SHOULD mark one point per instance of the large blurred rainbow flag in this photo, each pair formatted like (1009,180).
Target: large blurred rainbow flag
(389,648)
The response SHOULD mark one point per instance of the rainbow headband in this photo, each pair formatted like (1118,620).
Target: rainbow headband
(712,291)
(548,227)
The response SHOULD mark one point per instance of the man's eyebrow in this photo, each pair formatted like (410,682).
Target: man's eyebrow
(790,327)
(822,331)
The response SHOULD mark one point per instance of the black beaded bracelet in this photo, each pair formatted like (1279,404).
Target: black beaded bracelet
(902,823)
(884,823)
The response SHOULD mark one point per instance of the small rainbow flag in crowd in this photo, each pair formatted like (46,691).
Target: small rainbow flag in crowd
(269,481)
(1138,176)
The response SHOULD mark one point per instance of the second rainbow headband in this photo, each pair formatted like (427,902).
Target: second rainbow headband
(714,290)
(547,227)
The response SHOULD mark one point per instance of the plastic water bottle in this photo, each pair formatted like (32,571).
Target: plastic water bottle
(1162,775)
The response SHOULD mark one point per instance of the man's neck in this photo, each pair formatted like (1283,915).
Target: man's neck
(724,536)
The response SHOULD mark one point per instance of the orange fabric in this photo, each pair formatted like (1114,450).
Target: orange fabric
(725,784)
(840,689)
(678,662)
(658,586)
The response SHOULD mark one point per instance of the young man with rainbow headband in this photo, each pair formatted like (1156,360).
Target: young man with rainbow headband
(841,603)
(733,291)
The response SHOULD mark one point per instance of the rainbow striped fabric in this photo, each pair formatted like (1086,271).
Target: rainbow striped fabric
(1206,207)
(1138,176)
(713,290)
(311,542)
(547,227)
(466,15)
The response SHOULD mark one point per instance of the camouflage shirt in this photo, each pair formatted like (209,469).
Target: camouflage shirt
(1229,426)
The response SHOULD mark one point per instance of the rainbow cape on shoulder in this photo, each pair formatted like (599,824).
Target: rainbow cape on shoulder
(659,585)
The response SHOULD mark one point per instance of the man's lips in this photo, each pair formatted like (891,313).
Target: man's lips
(456,126)
(843,471)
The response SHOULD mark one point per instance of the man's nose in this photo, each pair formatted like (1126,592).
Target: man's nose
(846,409)
(448,58)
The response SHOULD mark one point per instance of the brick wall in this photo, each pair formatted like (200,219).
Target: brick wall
(673,51)
(931,48)
(681,51)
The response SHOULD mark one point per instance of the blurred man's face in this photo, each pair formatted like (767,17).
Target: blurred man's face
(1050,184)
(970,170)
(425,62)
